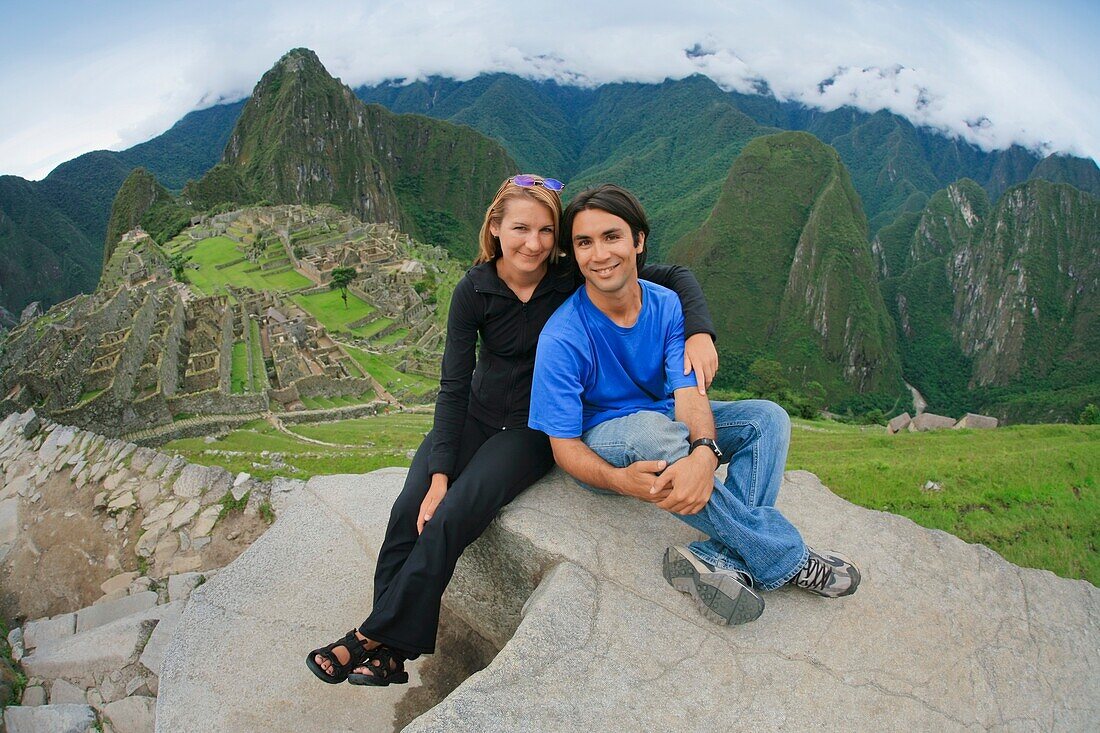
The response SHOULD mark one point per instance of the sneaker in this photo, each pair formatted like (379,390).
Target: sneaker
(828,574)
(723,596)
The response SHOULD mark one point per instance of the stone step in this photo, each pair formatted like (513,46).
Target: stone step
(65,718)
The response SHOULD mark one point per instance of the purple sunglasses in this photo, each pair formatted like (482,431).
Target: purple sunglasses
(529,181)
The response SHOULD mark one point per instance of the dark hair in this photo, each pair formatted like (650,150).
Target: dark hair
(614,200)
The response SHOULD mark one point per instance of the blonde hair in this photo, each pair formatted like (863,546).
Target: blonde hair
(488,245)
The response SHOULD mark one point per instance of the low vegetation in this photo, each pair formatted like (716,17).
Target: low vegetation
(1030,492)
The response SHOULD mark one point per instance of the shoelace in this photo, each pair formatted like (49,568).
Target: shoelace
(814,575)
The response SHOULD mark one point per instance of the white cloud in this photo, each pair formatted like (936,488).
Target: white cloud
(946,65)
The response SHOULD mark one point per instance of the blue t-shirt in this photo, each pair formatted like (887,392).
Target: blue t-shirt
(589,370)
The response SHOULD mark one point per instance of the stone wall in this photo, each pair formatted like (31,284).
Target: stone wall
(169,363)
(225,351)
(215,402)
(134,350)
(322,386)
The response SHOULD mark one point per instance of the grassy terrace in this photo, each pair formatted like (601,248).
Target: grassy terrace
(207,279)
(239,378)
(384,372)
(376,442)
(1029,491)
(328,308)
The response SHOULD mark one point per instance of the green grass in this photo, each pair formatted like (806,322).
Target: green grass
(382,370)
(328,308)
(89,396)
(238,377)
(394,337)
(1030,492)
(209,253)
(384,440)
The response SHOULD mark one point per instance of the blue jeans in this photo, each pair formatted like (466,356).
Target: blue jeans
(746,531)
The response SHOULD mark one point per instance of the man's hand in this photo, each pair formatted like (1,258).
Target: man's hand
(691,480)
(436,492)
(639,480)
(700,355)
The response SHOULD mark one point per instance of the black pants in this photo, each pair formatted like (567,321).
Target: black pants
(494,466)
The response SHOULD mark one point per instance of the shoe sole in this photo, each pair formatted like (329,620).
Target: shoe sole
(396,678)
(720,597)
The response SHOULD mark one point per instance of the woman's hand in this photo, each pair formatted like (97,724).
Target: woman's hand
(700,355)
(436,492)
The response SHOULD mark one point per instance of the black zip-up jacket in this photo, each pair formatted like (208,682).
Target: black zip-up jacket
(497,391)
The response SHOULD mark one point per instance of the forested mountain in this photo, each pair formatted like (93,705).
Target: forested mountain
(578,135)
(304,138)
(784,261)
(794,221)
(64,256)
(141,201)
(997,306)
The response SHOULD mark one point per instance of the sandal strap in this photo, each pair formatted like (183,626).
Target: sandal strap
(384,655)
(357,654)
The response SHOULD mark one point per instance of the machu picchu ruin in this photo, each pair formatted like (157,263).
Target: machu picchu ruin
(236,316)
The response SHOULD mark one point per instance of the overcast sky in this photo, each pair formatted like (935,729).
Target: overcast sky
(78,76)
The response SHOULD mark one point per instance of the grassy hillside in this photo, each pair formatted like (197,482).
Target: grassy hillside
(1030,492)
(43,255)
(784,261)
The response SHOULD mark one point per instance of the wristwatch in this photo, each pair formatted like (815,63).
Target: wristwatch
(708,443)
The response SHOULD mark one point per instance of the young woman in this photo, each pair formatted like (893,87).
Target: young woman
(480,453)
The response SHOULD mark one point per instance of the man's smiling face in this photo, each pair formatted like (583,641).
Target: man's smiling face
(605,251)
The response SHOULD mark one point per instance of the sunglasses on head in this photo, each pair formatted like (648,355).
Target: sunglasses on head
(529,181)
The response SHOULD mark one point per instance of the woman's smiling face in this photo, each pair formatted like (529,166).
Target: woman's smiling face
(526,233)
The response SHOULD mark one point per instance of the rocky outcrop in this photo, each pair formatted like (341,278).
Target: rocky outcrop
(77,508)
(567,586)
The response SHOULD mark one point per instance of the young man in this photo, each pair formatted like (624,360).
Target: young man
(610,392)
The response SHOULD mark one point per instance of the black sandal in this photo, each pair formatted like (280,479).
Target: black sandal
(378,662)
(357,656)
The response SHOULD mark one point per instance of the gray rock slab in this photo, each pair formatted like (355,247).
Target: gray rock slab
(121,581)
(57,440)
(181,585)
(195,480)
(980,422)
(88,657)
(64,692)
(34,695)
(135,714)
(157,465)
(105,613)
(49,719)
(9,520)
(277,598)
(153,654)
(28,424)
(901,422)
(928,421)
(942,635)
(142,458)
(46,631)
